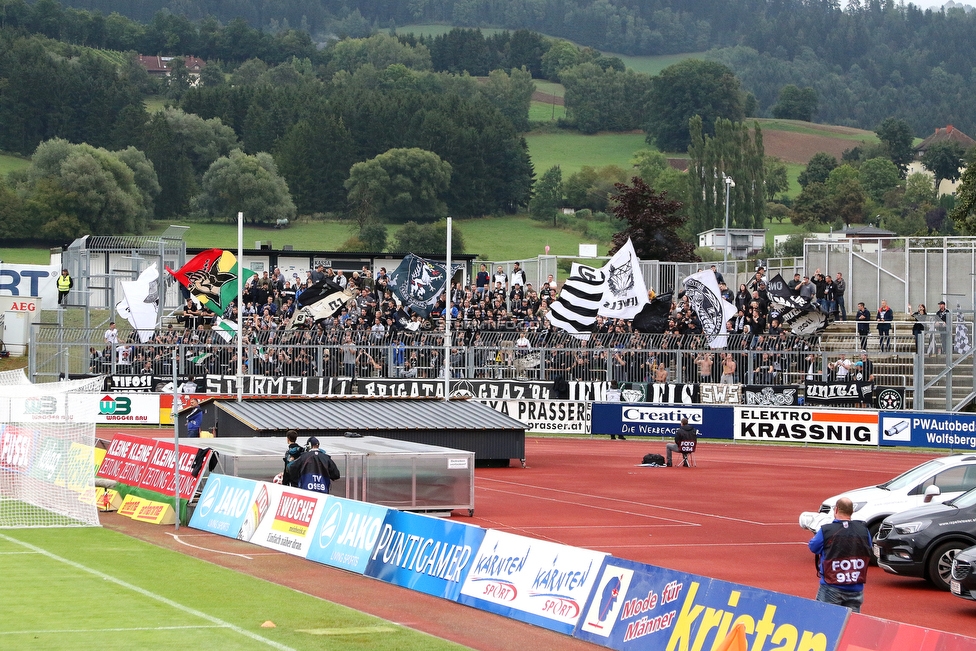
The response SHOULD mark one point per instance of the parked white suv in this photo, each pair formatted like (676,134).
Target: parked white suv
(934,481)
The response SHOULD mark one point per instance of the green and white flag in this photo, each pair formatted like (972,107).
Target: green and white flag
(226,329)
(201,358)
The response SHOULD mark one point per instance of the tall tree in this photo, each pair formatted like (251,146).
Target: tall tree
(817,170)
(897,137)
(547,196)
(693,87)
(248,184)
(944,160)
(878,177)
(795,103)
(731,153)
(402,185)
(964,214)
(653,223)
(314,156)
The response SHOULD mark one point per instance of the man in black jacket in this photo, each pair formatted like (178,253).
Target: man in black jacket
(292,454)
(314,470)
(685,433)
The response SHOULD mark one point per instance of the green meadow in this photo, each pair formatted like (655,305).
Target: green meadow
(572,150)
(93,588)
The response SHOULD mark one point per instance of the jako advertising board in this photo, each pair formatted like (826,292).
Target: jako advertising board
(425,554)
(639,419)
(806,425)
(534,581)
(929,430)
(636,606)
(346,534)
(224,505)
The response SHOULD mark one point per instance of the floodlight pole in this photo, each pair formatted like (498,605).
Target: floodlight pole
(447,318)
(729,184)
(176,441)
(240,305)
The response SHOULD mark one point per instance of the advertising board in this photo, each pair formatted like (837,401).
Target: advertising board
(24,280)
(928,429)
(286,518)
(806,425)
(225,504)
(114,408)
(640,419)
(534,581)
(544,416)
(346,534)
(636,606)
(426,554)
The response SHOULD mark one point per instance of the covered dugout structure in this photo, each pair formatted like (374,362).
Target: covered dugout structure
(458,424)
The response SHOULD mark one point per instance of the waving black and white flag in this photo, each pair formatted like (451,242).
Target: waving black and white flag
(579,301)
(418,282)
(712,310)
(319,301)
(140,302)
(802,315)
(625,293)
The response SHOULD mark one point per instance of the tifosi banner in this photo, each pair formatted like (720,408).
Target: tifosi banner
(534,581)
(635,606)
(426,554)
(806,425)
(542,416)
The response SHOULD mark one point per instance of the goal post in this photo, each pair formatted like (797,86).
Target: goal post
(47,468)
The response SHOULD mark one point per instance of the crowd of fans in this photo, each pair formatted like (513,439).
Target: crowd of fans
(498,329)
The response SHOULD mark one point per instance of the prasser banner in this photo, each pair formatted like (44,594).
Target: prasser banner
(544,416)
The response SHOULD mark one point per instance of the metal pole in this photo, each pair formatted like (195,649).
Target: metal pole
(240,303)
(729,184)
(447,319)
(176,442)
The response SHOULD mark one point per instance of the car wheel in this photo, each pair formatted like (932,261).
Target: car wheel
(940,564)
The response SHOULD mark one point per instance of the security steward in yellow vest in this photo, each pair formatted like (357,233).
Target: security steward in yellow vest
(64,285)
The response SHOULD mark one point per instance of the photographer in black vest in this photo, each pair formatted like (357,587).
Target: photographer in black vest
(843,549)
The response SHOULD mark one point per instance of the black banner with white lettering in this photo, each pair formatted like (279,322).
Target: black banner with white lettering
(265,385)
(672,394)
(839,394)
(152,383)
(434,388)
(770,396)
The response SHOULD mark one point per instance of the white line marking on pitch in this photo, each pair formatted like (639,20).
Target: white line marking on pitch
(206,549)
(613,499)
(745,544)
(151,595)
(15,553)
(592,506)
(106,630)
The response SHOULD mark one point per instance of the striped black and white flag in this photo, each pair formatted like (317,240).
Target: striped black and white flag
(712,310)
(579,301)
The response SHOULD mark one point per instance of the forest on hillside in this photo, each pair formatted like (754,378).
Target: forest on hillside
(867,60)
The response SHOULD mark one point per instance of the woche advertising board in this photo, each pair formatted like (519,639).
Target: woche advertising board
(636,606)
(534,581)
(286,518)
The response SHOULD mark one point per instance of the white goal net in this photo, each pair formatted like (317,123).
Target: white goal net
(47,465)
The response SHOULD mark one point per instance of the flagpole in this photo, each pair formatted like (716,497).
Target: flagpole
(447,319)
(240,304)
